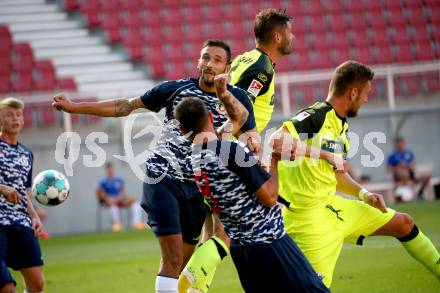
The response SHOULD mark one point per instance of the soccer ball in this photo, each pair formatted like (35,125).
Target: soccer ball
(50,188)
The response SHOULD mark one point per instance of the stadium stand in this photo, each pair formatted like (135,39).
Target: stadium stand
(393,32)
(21,73)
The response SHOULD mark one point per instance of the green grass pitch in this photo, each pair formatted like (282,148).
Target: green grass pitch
(128,262)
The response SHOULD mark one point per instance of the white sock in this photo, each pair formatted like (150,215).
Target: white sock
(114,210)
(136,212)
(166,284)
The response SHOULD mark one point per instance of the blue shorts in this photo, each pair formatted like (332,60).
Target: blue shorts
(174,207)
(5,275)
(19,248)
(279,266)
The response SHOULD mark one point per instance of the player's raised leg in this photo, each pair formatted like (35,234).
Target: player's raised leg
(416,243)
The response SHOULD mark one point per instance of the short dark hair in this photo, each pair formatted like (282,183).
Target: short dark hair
(221,44)
(349,74)
(266,21)
(191,114)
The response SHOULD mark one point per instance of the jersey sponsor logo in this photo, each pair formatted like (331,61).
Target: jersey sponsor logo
(262,77)
(332,146)
(301,116)
(255,88)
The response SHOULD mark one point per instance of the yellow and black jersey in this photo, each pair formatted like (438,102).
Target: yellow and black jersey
(307,183)
(253,71)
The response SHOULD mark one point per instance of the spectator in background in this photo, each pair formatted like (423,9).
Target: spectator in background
(402,166)
(111,193)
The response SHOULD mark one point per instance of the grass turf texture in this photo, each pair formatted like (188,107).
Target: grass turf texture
(128,262)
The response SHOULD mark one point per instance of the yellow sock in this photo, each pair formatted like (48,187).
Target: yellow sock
(200,270)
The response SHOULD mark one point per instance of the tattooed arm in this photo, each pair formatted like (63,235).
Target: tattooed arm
(113,108)
(237,113)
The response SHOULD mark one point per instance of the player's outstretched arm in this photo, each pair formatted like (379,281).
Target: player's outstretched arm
(237,113)
(348,186)
(113,108)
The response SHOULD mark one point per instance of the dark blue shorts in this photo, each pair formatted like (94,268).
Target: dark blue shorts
(174,207)
(5,275)
(19,248)
(279,266)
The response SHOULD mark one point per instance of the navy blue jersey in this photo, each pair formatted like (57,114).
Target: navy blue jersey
(172,152)
(15,171)
(228,175)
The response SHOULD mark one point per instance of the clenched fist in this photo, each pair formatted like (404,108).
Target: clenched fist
(220,82)
(62,103)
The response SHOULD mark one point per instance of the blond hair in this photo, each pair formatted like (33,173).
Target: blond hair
(11,103)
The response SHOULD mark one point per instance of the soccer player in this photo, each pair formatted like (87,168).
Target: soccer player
(318,220)
(253,71)
(245,198)
(174,205)
(111,193)
(19,222)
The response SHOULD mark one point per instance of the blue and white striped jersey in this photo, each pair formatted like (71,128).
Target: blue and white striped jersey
(228,175)
(171,155)
(15,171)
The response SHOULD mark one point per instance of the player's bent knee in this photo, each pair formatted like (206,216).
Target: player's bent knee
(406,224)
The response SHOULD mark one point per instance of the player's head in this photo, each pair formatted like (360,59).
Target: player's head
(11,116)
(400,143)
(351,81)
(109,168)
(274,27)
(215,58)
(192,116)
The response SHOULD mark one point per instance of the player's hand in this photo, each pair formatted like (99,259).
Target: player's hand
(62,103)
(10,194)
(220,82)
(37,226)
(283,149)
(375,200)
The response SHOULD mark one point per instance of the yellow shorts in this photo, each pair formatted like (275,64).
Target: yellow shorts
(321,233)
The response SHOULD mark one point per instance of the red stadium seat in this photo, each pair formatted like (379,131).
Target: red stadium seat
(131,5)
(28,115)
(6,47)
(5,85)
(135,52)
(376,20)
(337,23)
(379,38)
(172,17)
(340,40)
(6,66)
(424,52)
(382,55)
(173,35)
(4,32)
(407,85)
(153,54)
(397,19)
(67,84)
(110,6)
(22,83)
(356,22)
(47,113)
(431,82)
(400,36)
(403,54)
